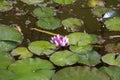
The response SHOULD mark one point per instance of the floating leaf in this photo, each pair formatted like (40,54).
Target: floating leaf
(112,48)
(113,24)
(38,75)
(62,58)
(5,59)
(94,38)
(72,24)
(32,69)
(64,1)
(95,3)
(50,23)
(100,11)
(82,38)
(6,75)
(43,12)
(80,73)
(80,49)
(32,1)
(8,33)
(7,45)
(111,59)
(22,52)
(112,71)
(5,5)
(9,38)
(41,47)
(91,58)
(29,65)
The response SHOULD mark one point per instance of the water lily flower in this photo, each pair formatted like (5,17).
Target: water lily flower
(59,40)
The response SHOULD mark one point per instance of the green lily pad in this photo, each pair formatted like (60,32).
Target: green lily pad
(9,38)
(64,1)
(7,75)
(90,58)
(80,49)
(62,58)
(50,23)
(80,73)
(29,65)
(111,59)
(95,3)
(7,45)
(39,75)
(32,69)
(113,24)
(42,47)
(112,71)
(72,24)
(22,52)
(78,38)
(43,12)
(8,33)
(99,11)
(32,1)
(5,59)
(5,5)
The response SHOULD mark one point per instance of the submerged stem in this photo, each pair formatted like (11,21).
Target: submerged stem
(47,32)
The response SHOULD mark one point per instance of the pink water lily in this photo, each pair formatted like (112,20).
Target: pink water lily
(59,40)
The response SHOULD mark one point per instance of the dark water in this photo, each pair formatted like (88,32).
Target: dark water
(78,10)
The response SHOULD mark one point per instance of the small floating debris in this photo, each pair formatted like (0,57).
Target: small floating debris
(115,36)
(27,22)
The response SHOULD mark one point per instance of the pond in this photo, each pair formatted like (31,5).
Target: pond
(60,39)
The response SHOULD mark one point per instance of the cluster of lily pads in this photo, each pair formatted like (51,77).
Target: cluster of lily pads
(76,48)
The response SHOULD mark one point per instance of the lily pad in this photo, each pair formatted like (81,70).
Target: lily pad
(113,24)
(112,48)
(7,75)
(5,59)
(111,59)
(72,24)
(43,12)
(5,5)
(95,3)
(7,45)
(80,73)
(42,47)
(29,65)
(50,23)
(8,33)
(22,52)
(112,71)
(100,11)
(78,38)
(39,75)
(62,58)
(91,58)
(32,69)
(80,49)
(32,1)
(64,1)
(9,38)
